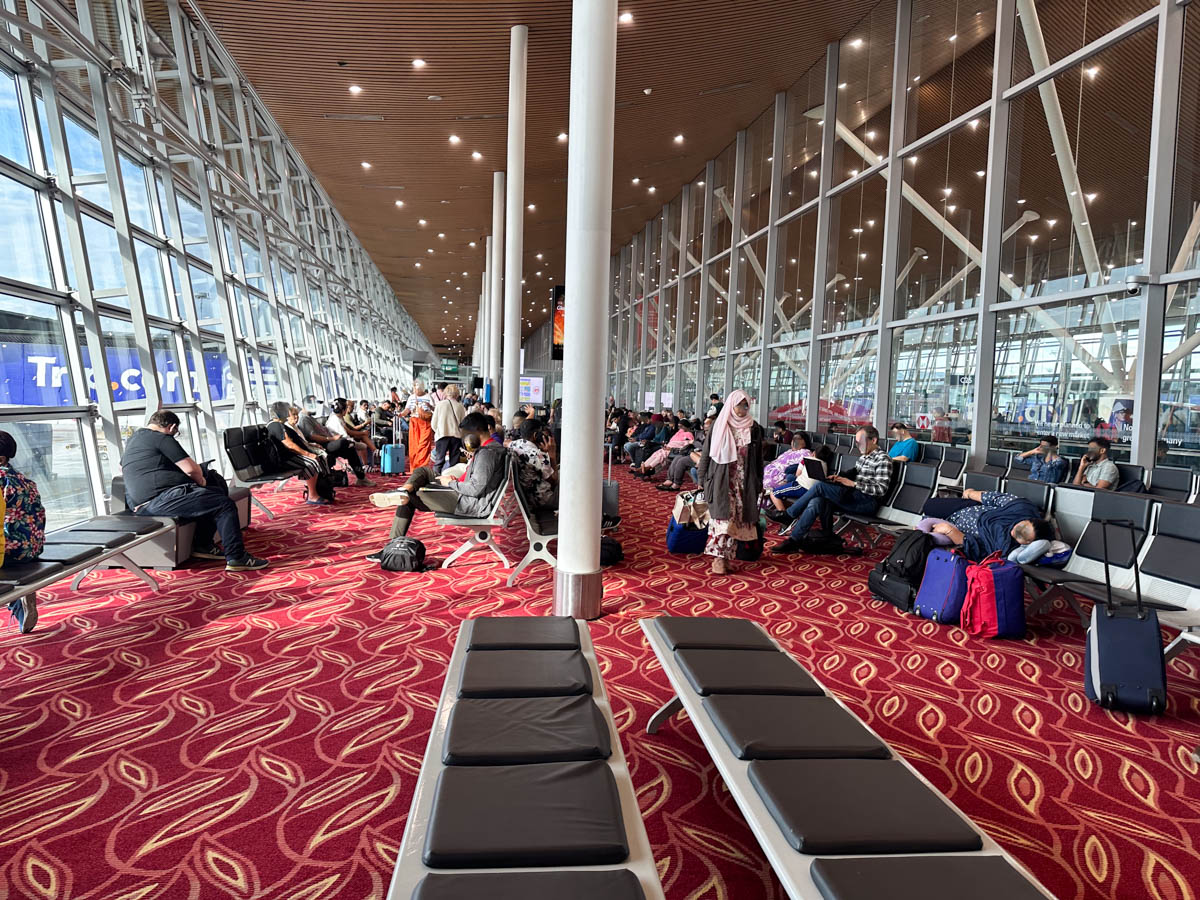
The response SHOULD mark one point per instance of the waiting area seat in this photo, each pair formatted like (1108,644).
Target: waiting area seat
(541,526)
(481,527)
(251,452)
(524,778)
(1172,483)
(817,786)
(902,506)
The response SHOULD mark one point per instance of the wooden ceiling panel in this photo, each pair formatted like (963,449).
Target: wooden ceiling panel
(712,66)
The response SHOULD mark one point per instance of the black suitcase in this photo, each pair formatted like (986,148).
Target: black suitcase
(1123,663)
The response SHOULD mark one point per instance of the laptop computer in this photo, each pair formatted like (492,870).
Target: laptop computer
(814,468)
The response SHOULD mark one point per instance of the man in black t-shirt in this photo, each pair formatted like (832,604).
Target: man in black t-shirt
(162,480)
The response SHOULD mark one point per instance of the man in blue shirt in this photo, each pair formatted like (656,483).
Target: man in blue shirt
(1047,465)
(904,446)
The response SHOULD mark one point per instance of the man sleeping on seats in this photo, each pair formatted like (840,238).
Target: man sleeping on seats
(987,522)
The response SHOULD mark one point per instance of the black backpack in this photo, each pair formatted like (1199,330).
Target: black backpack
(325,488)
(896,579)
(610,551)
(821,543)
(402,554)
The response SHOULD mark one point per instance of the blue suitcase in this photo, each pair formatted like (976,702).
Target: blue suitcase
(685,538)
(1123,663)
(394,460)
(943,587)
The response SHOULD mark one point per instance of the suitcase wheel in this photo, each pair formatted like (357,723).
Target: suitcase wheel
(1109,700)
(1156,705)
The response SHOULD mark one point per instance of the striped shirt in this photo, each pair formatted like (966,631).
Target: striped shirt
(873,474)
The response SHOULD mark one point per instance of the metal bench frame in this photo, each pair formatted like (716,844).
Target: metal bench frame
(410,868)
(482,528)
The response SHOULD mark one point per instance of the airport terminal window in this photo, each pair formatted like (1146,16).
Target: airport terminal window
(855,255)
(788,385)
(204,292)
(864,96)
(636,325)
(690,327)
(217,369)
(149,265)
(950,53)
(802,139)
(794,278)
(652,324)
(654,237)
(103,255)
(722,202)
(649,388)
(1048,30)
(1179,411)
(695,251)
(23,250)
(747,375)
(51,453)
(674,211)
(848,371)
(170,372)
(1185,210)
(195,237)
(941,223)
(126,367)
(137,197)
(268,366)
(86,159)
(933,379)
(1089,233)
(1066,369)
(264,319)
(718,305)
(35,357)
(12,127)
(751,289)
(687,393)
(667,311)
(714,376)
(666,378)
(252,265)
(756,179)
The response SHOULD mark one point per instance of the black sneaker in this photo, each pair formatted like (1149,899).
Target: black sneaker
(788,546)
(779,515)
(246,564)
(213,552)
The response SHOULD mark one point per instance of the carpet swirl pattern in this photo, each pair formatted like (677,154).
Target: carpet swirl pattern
(257,735)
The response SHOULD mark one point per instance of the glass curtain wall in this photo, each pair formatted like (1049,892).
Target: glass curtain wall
(165,247)
(981,247)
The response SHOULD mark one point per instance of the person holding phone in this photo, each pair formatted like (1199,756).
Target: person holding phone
(1096,469)
(1047,465)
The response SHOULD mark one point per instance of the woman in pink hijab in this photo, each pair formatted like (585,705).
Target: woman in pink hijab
(731,472)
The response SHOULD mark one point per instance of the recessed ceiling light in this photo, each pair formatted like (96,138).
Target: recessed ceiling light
(355,89)
(637,181)
(652,189)
(454,139)
(434,97)
(464,274)
(625,18)
(647,91)
(366,165)
(842,86)
(475,154)
(539,256)
(442,235)
(422,222)
(470,244)
(856,43)
(400,203)
(531,207)
(418,265)
(562,135)
(679,138)
(418,63)
(430,250)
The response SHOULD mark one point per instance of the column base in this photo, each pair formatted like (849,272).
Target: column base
(578,595)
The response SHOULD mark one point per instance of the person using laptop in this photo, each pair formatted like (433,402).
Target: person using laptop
(468,497)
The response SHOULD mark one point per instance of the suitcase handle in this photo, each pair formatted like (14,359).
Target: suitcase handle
(1137,578)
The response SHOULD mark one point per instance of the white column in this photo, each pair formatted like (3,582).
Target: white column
(514,207)
(578,589)
(496,291)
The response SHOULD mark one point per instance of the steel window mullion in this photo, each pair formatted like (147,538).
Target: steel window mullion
(953,125)
(893,206)
(683,238)
(663,247)
(774,236)
(704,320)
(732,304)
(824,214)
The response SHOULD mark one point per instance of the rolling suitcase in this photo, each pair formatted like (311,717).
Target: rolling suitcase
(943,588)
(1123,664)
(394,459)
(995,602)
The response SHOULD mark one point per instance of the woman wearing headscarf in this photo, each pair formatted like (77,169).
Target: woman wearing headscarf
(730,473)
(419,413)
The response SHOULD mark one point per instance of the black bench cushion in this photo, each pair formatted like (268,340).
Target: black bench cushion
(549,814)
(839,806)
(16,574)
(922,878)
(615,884)
(68,554)
(129,524)
(685,632)
(745,672)
(523,633)
(105,539)
(512,731)
(525,673)
(791,728)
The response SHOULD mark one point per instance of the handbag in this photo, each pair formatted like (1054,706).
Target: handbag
(690,510)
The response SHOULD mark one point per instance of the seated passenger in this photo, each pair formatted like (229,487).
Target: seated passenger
(383,420)
(686,459)
(775,474)
(335,447)
(987,522)
(1047,465)
(297,455)
(643,432)
(904,446)
(469,497)
(1095,468)
(859,491)
(340,424)
(469,445)
(780,433)
(683,437)
(782,480)
(162,480)
(24,527)
(535,453)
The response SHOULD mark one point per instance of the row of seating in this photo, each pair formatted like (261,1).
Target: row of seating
(524,778)
(838,815)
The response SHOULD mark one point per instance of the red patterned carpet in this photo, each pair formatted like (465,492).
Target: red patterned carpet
(257,735)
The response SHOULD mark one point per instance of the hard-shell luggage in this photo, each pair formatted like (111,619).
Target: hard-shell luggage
(944,587)
(394,459)
(995,603)
(1123,663)
(890,589)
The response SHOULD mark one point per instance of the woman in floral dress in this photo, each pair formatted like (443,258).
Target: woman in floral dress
(731,473)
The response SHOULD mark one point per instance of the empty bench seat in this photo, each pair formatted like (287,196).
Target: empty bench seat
(703,633)
(616,884)
(522,633)
(17,574)
(518,730)
(524,673)
(69,554)
(928,877)
(744,672)
(791,727)
(106,540)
